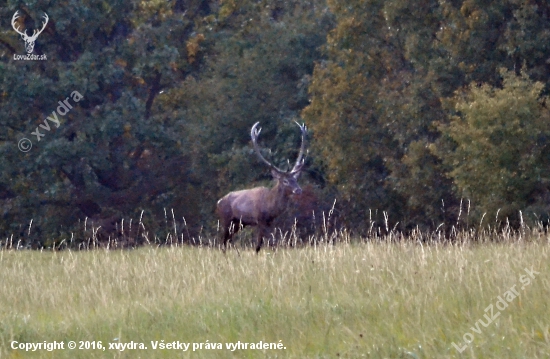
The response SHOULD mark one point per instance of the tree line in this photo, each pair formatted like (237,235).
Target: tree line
(418,111)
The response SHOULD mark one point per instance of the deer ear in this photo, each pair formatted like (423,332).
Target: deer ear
(275,174)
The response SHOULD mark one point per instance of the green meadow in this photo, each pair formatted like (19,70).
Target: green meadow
(386,298)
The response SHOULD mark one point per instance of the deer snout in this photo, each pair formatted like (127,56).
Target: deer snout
(297,190)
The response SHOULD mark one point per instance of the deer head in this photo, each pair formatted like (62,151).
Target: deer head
(287,178)
(29,40)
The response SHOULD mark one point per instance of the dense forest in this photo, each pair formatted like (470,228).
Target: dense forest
(424,114)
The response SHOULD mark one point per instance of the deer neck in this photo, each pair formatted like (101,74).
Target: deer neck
(277,198)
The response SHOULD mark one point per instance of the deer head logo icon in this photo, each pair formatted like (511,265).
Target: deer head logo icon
(29,40)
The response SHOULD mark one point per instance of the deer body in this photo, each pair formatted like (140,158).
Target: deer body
(252,206)
(259,206)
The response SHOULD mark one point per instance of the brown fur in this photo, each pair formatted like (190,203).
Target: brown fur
(260,206)
(256,207)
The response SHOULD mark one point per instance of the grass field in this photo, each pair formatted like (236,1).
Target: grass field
(374,299)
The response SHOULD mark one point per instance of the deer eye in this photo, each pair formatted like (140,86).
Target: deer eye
(285,182)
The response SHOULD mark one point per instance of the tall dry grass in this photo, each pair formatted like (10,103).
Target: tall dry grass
(391,297)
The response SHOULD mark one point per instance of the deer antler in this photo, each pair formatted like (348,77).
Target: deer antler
(15,17)
(300,160)
(35,32)
(254,133)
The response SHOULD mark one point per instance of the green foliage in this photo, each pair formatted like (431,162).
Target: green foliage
(500,136)
(259,64)
(378,99)
(109,155)
(264,56)
(373,102)
(171,88)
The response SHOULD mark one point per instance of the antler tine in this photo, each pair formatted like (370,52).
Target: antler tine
(254,133)
(300,161)
(15,17)
(38,32)
(46,18)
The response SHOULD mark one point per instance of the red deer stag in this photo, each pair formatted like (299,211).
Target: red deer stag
(260,206)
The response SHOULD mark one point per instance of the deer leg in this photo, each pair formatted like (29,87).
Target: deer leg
(260,237)
(227,233)
(226,236)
